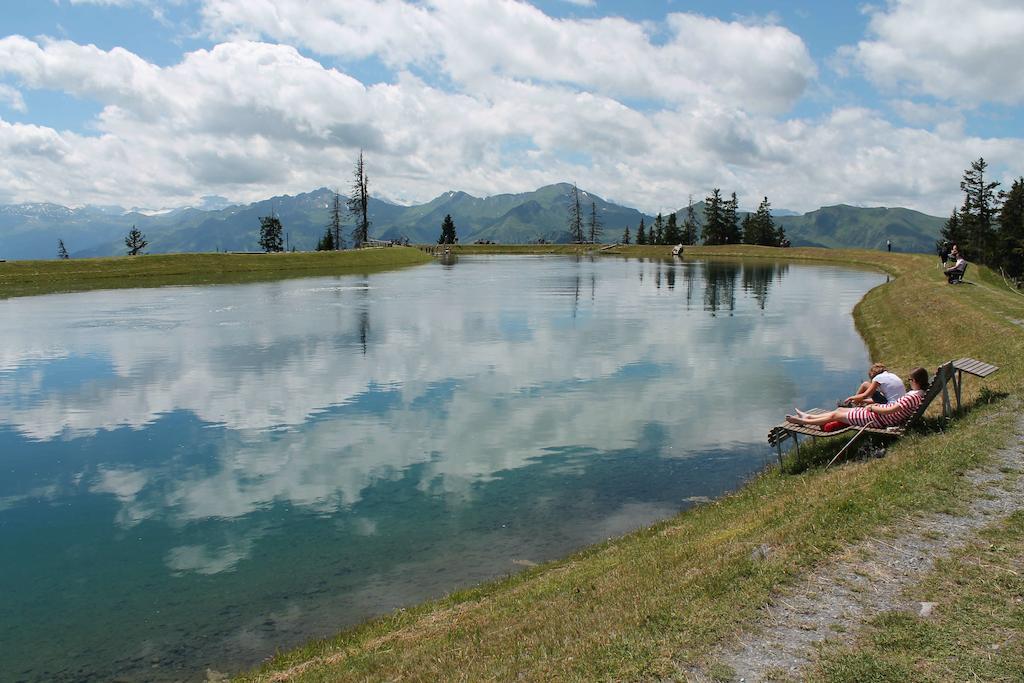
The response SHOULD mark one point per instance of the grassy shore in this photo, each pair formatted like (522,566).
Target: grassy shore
(648,604)
(24,278)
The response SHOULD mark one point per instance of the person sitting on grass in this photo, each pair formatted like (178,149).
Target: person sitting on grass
(874,415)
(882,387)
(955,273)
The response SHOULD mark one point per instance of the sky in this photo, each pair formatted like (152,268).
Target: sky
(143,103)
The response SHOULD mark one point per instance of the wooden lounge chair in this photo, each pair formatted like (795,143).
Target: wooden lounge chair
(951,371)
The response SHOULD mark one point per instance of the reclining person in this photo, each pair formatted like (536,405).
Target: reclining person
(888,415)
(882,387)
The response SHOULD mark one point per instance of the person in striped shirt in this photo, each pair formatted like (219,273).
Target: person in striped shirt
(874,415)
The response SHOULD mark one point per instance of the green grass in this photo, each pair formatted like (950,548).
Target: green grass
(24,278)
(645,605)
(973,634)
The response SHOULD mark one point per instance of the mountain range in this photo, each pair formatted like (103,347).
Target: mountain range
(31,231)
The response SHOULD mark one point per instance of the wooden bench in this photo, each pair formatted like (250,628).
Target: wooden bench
(956,277)
(950,372)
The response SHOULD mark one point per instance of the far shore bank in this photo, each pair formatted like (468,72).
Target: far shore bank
(654,603)
(28,278)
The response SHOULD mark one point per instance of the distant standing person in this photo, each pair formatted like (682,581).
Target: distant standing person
(943,249)
(888,245)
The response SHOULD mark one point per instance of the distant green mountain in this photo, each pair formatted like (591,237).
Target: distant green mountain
(32,230)
(851,226)
(508,218)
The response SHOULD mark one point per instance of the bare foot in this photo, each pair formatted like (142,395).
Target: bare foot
(794,420)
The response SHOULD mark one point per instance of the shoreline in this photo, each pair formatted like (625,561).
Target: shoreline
(33,278)
(40,277)
(644,604)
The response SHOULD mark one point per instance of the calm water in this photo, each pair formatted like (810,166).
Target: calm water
(191,477)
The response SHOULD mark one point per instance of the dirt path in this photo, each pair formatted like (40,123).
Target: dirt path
(865,580)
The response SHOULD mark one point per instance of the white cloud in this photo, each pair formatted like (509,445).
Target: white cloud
(541,101)
(205,559)
(963,50)
(12,98)
(753,66)
(924,114)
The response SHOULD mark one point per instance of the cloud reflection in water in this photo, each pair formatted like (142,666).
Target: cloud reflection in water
(397,425)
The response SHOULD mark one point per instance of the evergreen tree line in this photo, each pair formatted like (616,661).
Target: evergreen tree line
(988,227)
(721,225)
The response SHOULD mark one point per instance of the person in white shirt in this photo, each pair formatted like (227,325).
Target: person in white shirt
(882,387)
(956,272)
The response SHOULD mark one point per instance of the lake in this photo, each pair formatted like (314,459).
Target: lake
(193,477)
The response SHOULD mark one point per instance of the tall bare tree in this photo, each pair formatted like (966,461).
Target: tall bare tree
(359,203)
(596,228)
(575,215)
(334,227)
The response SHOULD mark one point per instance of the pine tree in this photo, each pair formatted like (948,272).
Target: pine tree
(448,235)
(767,223)
(657,234)
(596,228)
(271,233)
(690,225)
(751,230)
(732,228)
(978,210)
(326,242)
(625,235)
(135,241)
(714,219)
(359,203)
(62,252)
(334,227)
(953,230)
(1011,230)
(759,227)
(641,236)
(672,233)
(575,216)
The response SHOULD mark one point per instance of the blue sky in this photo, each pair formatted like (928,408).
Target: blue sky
(147,103)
